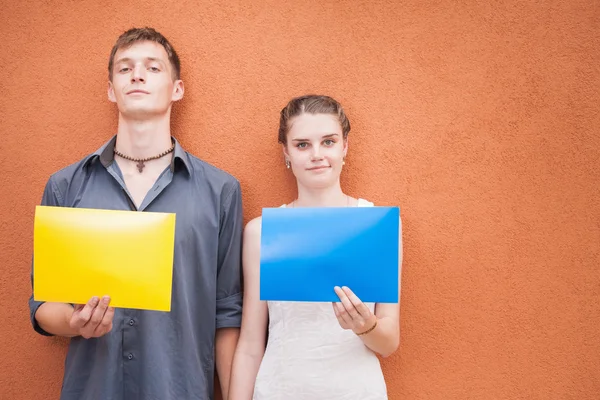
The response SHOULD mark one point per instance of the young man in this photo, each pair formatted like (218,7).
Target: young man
(126,354)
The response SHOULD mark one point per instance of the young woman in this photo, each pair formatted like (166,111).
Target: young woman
(314,350)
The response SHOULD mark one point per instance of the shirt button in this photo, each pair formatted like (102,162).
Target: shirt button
(131,322)
(130,356)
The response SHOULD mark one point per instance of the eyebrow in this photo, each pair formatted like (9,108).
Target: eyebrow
(127,59)
(324,137)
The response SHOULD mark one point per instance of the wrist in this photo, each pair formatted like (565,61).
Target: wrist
(368,329)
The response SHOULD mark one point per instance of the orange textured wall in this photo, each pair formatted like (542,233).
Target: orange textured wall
(480,120)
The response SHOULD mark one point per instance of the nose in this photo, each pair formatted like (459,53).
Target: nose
(316,155)
(139,74)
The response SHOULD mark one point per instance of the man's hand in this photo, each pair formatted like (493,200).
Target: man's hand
(93,319)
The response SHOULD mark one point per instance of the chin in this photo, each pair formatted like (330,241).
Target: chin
(141,111)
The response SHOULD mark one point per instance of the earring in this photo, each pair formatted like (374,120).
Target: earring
(288,164)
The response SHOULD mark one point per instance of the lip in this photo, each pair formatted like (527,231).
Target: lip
(318,168)
(137,91)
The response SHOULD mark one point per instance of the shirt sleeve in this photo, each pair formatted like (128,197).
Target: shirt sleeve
(229,296)
(51,197)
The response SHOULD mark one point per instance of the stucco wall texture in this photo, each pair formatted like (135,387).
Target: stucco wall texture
(480,119)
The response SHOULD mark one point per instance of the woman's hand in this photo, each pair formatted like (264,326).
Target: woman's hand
(352,313)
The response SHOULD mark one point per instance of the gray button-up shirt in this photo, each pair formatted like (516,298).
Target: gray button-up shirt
(149,354)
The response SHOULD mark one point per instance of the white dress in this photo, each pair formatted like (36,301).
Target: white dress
(310,357)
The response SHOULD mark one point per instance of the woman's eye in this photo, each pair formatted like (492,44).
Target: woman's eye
(329,142)
(301,145)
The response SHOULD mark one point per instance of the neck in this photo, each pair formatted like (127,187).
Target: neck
(331,196)
(141,138)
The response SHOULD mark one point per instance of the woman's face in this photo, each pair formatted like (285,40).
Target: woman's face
(315,149)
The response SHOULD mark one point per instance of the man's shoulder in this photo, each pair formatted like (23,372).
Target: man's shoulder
(67,174)
(212,174)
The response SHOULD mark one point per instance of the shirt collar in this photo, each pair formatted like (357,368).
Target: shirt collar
(106,154)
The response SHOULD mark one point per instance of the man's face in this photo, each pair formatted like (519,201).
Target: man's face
(142,83)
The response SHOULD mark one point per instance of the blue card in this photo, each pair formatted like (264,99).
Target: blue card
(306,252)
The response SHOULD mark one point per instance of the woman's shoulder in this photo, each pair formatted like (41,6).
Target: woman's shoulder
(253,227)
(364,203)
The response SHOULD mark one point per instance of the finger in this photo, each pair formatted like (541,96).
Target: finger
(337,315)
(361,307)
(342,314)
(340,293)
(83,313)
(106,325)
(97,315)
(347,303)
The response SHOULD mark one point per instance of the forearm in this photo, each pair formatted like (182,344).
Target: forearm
(243,375)
(225,344)
(54,318)
(384,339)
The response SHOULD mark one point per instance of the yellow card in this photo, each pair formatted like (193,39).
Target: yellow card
(80,253)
